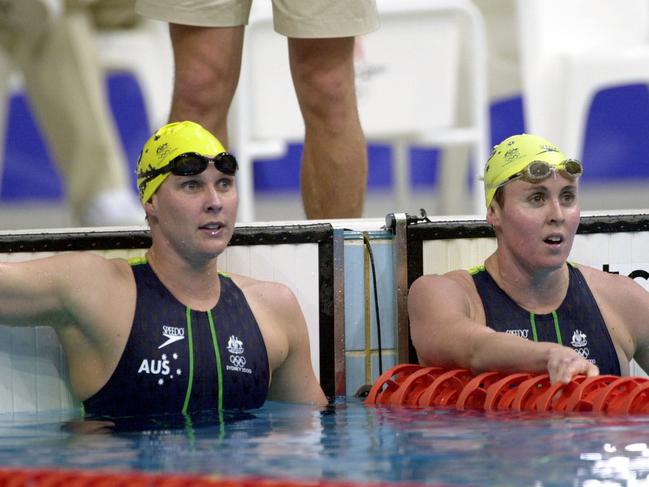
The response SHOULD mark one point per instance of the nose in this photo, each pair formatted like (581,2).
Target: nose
(213,199)
(556,211)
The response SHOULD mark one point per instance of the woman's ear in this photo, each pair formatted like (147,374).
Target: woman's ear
(151,207)
(493,213)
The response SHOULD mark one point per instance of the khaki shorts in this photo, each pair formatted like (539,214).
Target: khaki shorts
(292,18)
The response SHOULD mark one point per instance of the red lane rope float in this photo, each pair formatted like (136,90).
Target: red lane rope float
(417,386)
(582,398)
(636,402)
(389,382)
(445,389)
(413,386)
(474,393)
(610,397)
(555,397)
(18,477)
(500,395)
(529,392)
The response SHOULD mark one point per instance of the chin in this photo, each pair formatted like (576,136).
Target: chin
(212,248)
(553,264)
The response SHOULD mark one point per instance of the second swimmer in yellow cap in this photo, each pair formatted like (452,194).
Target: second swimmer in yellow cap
(526,309)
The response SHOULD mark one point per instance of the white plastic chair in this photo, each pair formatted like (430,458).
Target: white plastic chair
(406,85)
(570,50)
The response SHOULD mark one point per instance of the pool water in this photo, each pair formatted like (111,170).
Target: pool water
(348,441)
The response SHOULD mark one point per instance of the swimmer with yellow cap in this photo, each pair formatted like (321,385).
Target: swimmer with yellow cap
(517,311)
(527,157)
(180,148)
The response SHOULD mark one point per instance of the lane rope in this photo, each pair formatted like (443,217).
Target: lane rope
(418,386)
(21,477)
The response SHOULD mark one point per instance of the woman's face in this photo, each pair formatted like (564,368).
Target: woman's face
(196,214)
(538,221)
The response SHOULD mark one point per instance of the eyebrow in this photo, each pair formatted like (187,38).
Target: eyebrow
(541,186)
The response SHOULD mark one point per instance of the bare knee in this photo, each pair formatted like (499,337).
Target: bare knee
(329,99)
(206,73)
(323,76)
(202,88)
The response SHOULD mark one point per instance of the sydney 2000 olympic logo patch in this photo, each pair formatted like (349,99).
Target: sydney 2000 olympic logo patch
(237,358)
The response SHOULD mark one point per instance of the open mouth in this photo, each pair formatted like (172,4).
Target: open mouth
(213,227)
(553,240)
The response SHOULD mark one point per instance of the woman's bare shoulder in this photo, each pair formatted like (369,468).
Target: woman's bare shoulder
(455,279)
(270,292)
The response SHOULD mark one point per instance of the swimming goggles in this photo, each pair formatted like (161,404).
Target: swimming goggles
(191,164)
(537,171)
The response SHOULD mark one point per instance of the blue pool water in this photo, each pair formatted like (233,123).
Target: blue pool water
(347,442)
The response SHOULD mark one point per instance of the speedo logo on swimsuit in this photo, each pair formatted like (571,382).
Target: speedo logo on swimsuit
(519,333)
(238,361)
(172,334)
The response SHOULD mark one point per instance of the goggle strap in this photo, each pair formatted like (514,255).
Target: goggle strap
(152,173)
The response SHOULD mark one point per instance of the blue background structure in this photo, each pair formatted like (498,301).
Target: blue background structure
(616,145)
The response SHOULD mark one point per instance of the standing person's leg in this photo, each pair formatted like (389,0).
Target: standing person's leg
(334,162)
(321,50)
(207,40)
(207,64)
(65,82)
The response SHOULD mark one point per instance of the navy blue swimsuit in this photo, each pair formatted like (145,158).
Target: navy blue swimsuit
(179,360)
(577,323)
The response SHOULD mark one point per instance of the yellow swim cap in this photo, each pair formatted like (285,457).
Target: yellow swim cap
(168,142)
(513,155)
